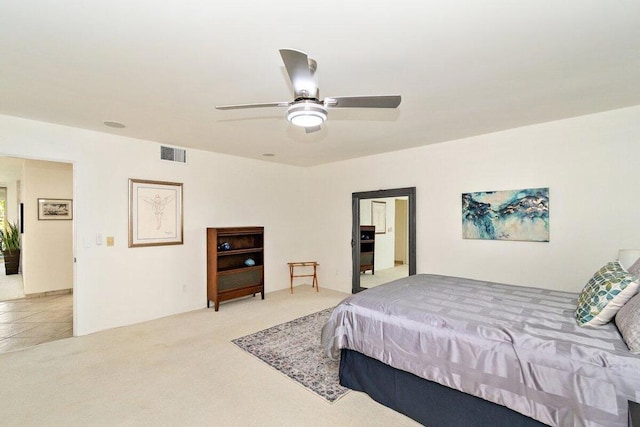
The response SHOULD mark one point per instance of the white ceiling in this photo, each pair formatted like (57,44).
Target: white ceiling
(463,68)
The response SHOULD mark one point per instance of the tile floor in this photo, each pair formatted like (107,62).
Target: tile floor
(10,286)
(367,280)
(30,321)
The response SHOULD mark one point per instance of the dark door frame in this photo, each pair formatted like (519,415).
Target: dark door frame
(410,193)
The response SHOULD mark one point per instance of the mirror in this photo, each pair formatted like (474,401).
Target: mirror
(383,236)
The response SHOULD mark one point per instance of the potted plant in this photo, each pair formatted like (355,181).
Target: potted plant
(10,244)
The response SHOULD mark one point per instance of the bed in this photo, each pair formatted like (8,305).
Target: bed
(454,351)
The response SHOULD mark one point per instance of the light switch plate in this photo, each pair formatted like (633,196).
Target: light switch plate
(109,240)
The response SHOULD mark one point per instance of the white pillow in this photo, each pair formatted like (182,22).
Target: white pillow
(627,257)
(635,268)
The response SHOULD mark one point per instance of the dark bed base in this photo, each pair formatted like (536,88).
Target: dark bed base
(427,402)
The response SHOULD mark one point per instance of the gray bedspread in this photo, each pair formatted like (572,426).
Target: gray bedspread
(515,346)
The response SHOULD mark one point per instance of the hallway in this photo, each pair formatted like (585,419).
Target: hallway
(367,280)
(25,322)
(31,321)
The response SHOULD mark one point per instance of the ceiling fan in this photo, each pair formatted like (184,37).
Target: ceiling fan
(307,109)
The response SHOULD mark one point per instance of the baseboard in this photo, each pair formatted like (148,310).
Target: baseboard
(49,293)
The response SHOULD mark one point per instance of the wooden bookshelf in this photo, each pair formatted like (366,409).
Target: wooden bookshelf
(235,263)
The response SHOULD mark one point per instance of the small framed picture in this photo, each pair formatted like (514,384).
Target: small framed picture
(379,216)
(155,213)
(52,209)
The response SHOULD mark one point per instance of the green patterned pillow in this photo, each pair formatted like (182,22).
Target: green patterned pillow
(604,294)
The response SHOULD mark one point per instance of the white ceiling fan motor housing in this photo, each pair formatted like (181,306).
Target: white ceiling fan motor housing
(307,113)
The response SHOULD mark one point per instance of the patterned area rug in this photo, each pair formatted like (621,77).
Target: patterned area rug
(294,349)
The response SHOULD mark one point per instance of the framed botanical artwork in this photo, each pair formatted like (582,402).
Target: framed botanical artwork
(379,216)
(55,209)
(155,213)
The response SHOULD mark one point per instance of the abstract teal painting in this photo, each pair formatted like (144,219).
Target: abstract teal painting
(506,215)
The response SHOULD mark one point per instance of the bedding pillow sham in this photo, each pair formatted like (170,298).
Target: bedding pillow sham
(635,268)
(628,323)
(604,294)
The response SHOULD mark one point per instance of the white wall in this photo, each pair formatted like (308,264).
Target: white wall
(47,246)
(589,163)
(12,213)
(120,285)
(10,177)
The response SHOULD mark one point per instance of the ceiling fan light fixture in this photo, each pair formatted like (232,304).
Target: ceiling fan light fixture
(307,114)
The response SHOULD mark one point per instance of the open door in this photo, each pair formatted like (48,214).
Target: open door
(357,239)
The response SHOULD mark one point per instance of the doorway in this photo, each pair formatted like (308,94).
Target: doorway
(378,218)
(41,308)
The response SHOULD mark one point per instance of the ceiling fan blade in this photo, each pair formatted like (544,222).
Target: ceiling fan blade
(301,72)
(379,101)
(257,105)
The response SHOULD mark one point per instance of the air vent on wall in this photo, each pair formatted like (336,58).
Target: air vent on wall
(173,154)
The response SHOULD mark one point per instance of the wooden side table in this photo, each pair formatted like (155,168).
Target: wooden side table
(293,265)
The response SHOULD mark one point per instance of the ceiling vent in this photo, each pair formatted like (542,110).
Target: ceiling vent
(173,154)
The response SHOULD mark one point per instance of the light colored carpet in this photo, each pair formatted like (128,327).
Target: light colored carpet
(181,370)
